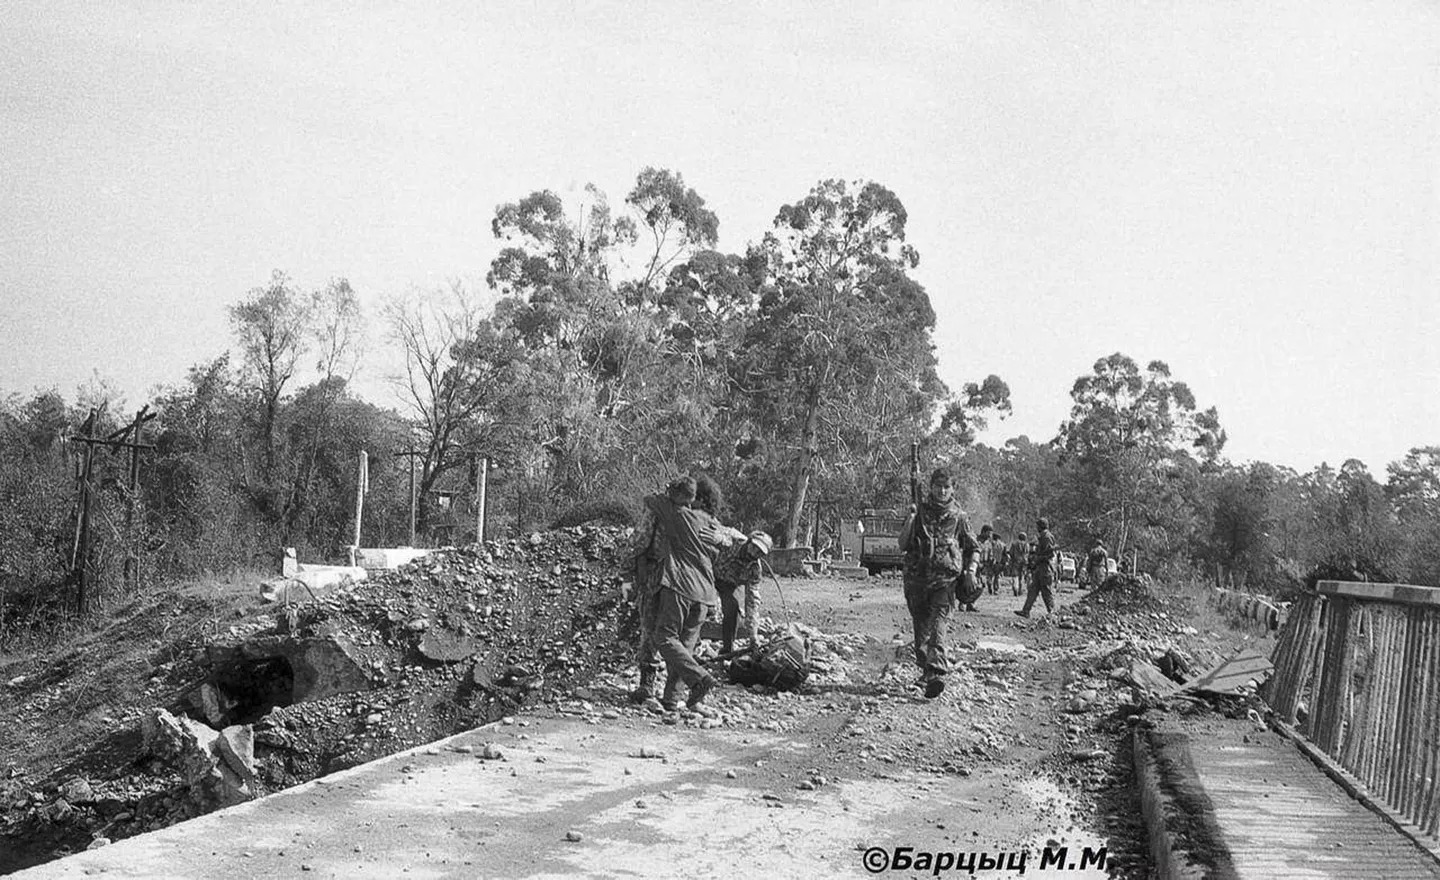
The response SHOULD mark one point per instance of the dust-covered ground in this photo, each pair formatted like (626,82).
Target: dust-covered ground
(1026,747)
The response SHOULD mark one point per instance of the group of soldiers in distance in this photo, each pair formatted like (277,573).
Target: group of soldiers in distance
(686,563)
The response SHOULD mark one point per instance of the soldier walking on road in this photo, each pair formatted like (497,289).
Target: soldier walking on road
(1017,559)
(938,547)
(992,559)
(1042,575)
(687,594)
(1097,564)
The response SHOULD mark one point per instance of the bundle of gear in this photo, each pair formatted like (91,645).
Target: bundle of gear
(783,664)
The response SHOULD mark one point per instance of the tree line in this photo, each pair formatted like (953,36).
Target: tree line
(613,348)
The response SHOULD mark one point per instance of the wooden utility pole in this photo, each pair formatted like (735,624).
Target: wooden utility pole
(80,549)
(362,485)
(482,474)
(132,431)
(80,553)
(412,453)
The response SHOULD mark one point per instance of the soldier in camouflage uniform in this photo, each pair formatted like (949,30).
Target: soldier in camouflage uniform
(1017,559)
(931,573)
(1042,573)
(737,567)
(645,557)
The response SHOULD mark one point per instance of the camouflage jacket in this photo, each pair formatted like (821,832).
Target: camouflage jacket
(733,568)
(949,530)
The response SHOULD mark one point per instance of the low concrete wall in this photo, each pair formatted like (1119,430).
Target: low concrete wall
(1185,839)
(388,557)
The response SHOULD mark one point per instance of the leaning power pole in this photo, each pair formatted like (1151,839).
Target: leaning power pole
(85,496)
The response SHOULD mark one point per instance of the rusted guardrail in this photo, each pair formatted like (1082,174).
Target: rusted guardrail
(1357,673)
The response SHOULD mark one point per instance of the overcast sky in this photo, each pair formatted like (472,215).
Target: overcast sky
(1245,191)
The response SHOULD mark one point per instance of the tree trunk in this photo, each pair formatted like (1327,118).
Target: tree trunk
(272,409)
(805,465)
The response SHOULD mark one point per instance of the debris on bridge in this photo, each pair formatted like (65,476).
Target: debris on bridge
(1240,674)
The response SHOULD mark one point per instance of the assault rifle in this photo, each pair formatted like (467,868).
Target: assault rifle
(920,535)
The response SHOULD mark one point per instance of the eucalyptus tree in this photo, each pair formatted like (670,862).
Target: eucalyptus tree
(271,326)
(1134,443)
(1413,487)
(841,338)
(609,355)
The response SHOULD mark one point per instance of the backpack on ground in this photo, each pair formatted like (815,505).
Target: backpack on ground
(783,664)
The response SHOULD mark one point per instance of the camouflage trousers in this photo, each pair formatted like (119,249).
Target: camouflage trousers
(647,651)
(930,598)
(730,616)
(1040,583)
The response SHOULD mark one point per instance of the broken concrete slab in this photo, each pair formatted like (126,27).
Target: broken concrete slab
(213,704)
(327,666)
(1234,675)
(192,749)
(310,582)
(387,557)
(1149,678)
(236,746)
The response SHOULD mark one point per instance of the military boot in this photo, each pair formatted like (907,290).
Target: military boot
(668,701)
(646,689)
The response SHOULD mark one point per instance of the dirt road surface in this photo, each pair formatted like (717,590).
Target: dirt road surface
(856,773)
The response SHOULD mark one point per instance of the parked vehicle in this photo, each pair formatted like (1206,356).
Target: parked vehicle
(1069,567)
(880,542)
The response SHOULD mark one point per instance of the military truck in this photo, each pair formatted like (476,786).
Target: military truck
(880,540)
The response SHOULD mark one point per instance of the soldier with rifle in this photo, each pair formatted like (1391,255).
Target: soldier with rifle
(1042,574)
(938,547)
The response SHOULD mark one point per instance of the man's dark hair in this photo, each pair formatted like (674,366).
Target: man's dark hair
(708,496)
(940,474)
(682,490)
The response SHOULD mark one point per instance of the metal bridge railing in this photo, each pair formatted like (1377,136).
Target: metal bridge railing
(1357,673)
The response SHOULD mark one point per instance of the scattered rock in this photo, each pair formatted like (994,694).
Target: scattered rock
(76,790)
(447,646)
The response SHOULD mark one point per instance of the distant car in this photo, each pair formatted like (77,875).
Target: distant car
(1069,568)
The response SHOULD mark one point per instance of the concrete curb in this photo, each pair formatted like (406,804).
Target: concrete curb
(1169,791)
(1357,790)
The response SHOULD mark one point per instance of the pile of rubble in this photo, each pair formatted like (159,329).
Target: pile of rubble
(459,638)
(1123,593)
